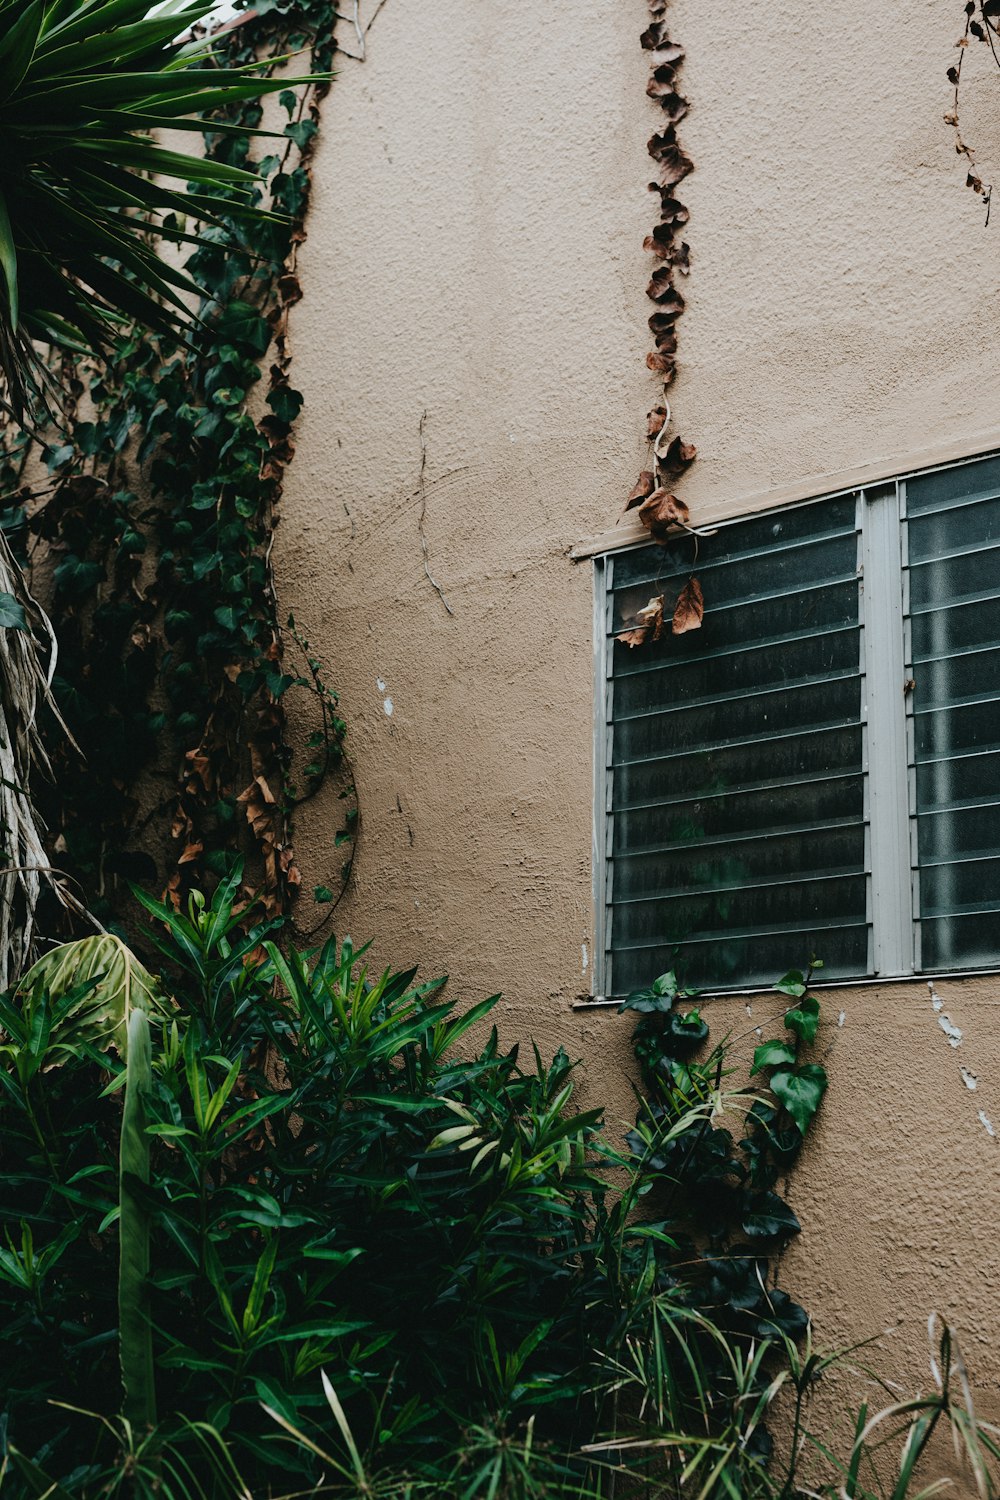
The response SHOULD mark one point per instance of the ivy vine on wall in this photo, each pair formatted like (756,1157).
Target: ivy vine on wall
(165,469)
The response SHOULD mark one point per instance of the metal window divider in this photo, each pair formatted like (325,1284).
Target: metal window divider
(886,731)
(603,687)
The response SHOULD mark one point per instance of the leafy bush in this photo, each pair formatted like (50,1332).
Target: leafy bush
(380,1262)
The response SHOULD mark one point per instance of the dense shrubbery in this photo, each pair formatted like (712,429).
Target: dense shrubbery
(386,1257)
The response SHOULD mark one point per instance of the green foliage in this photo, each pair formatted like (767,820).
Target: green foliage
(160,509)
(82,181)
(134,1332)
(386,1260)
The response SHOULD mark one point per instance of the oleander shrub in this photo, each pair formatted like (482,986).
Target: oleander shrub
(273,1224)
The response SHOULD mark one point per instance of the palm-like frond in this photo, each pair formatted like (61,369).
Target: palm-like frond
(82,180)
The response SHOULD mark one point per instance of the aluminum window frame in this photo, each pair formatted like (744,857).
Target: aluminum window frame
(892,869)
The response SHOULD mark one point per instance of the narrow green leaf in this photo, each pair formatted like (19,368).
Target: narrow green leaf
(134,1328)
(18,49)
(8,263)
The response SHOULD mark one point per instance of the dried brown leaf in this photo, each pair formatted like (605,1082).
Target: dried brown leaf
(675,458)
(644,485)
(648,621)
(661,511)
(632,637)
(654,423)
(651,616)
(674,105)
(664,331)
(661,242)
(666,54)
(689,610)
(672,210)
(662,364)
(675,164)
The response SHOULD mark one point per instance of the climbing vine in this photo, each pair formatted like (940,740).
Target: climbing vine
(982,24)
(165,470)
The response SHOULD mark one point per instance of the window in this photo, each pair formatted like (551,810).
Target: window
(817,769)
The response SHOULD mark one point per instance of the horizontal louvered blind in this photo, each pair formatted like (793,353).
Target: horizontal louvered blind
(953,597)
(734,816)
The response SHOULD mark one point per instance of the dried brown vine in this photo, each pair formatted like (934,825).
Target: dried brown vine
(985,29)
(659,510)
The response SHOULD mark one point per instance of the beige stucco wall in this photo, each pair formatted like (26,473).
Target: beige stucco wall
(474,264)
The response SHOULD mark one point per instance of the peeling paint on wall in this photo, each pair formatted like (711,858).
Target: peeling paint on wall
(969,1079)
(987,1123)
(947,1025)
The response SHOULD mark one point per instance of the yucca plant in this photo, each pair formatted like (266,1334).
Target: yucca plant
(84,90)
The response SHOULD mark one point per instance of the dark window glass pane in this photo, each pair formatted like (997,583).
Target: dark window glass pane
(962,627)
(764,533)
(960,942)
(954,486)
(966,780)
(666,683)
(745,961)
(940,533)
(956,703)
(955,579)
(778,760)
(957,679)
(737,912)
(958,835)
(807,804)
(940,733)
(744,579)
(756,716)
(834,851)
(738,823)
(969,887)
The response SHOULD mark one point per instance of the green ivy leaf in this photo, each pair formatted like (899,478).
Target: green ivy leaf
(803,1018)
(772,1055)
(792,983)
(239,323)
(322,894)
(285,402)
(12,616)
(800,1092)
(659,996)
(768,1216)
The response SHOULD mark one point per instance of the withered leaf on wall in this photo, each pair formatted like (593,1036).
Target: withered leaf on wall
(654,423)
(674,105)
(677,457)
(662,290)
(662,364)
(644,485)
(648,622)
(667,54)
(672,211)
(664,332)
(660,511)
(689,609)
(674,163)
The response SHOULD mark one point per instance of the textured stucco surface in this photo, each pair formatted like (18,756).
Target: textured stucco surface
(474,260)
